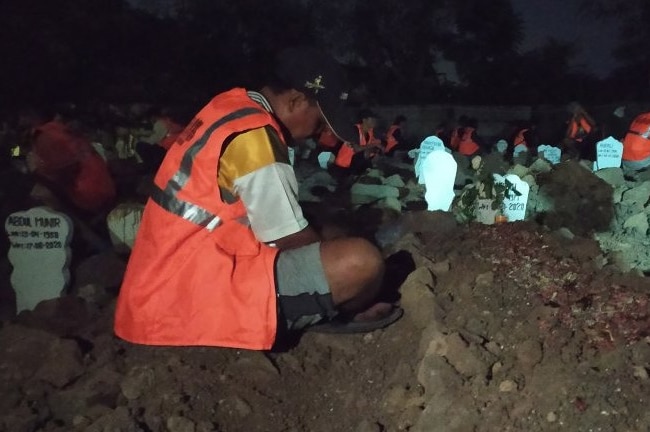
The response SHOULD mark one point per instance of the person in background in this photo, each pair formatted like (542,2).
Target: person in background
(69,175)
(65,162)
(636,144)
(581,132)
(617,123)
(224,255)
(444,131)
(153,143)
(395,135)
(328,141)
(469,143)
(355,156)
(527,136)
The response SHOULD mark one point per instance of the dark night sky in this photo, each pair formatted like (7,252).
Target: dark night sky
(542,19)
(561,19)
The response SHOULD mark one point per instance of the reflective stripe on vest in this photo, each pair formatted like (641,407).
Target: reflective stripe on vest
(168,198)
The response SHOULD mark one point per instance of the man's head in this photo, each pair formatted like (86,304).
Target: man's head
(316,95)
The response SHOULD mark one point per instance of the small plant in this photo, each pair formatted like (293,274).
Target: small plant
(484,187)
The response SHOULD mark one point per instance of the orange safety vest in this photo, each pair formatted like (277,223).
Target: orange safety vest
(344,156)
(173,131)
(636,144)
(363,141)
(520,138)
(346,152)
(467,145)
(197,275)
(369,140)
(391,141)
(579,128)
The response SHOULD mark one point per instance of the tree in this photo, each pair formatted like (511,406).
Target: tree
(632,79)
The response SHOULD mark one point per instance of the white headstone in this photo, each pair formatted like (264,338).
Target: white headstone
(123,223)
(514,205)
(439,173)
(552,154)
(325,158)
(609,153)
(502,146)
(430,144)
(39,253)
(521,148)
(484,212)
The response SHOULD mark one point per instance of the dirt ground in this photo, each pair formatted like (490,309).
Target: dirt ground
(509,327)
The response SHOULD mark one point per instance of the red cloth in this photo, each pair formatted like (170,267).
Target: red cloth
(70,163)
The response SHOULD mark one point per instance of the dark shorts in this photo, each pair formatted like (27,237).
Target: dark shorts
(304,296)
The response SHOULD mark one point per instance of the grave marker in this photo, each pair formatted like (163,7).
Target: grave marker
(552,154)
(514,206)
(484,212)
(521,148)
(439,174)
(325,158)
(609,153)
(39,253)
(428,145)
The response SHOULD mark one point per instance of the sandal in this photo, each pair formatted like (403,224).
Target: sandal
(341,326)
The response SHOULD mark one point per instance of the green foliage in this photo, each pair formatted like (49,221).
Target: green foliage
(483,187)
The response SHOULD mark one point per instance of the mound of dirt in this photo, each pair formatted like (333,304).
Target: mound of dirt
(507,327)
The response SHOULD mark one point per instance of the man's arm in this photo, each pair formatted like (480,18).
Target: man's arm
(255,168)
(302,238)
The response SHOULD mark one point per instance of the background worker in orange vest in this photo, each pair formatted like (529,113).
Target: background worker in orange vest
(328,141)
(456,132)
(355,156)
(153,143)
(64,162)
(395,135)
(527,136)
(636,144)
(469,143)
(224,255)
(581,133)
